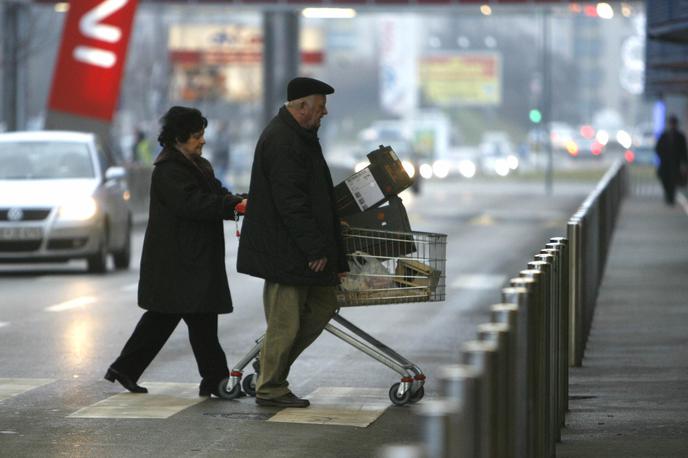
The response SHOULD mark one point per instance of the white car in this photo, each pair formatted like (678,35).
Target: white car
(62,197)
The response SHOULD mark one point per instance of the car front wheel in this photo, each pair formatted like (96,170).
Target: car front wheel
(122,257)
(97,262)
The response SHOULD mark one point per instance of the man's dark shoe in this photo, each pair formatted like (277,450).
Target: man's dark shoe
(287,400)
(112,374)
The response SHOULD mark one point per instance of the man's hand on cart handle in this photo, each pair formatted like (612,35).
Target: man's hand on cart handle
(318,265)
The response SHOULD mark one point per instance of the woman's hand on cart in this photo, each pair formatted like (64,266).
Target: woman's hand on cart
(240,208)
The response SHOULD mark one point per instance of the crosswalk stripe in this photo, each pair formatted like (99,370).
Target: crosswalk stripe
(130,287)
(342,406)
(13,386)
(683,202)
(79,302)
(478,281)
(162,401)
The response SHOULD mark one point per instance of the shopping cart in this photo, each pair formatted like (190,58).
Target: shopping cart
(386,268)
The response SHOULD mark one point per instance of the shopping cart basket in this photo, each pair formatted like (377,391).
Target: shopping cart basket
(386,268)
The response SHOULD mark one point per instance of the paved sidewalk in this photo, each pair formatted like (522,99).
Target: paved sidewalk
(630,398)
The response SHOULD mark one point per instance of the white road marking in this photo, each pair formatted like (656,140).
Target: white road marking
(162,401)
(79,302)
(482,220)
(341,406)
(13,386)
(478,281)
(683,201)
(3,324)
(131,287)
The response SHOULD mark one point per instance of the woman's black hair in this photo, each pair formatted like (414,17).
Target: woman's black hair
(178,124)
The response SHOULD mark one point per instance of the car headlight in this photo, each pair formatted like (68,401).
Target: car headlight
(502,167)
(425,171)
(410,169)
(79,209)
(512,161)
(440,169)
(467,168)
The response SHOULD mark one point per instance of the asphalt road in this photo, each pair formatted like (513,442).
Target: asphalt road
(59,324)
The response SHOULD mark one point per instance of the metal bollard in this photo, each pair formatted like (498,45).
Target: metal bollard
(459,383)
(498,334)
(561,243)
(574,232)
(547,262)
(437,417)
(482,355)
(515,306)
(562,358)
(402,451)
(508,314)
(533,281)
(542,272)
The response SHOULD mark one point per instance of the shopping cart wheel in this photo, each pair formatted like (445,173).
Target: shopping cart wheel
(418,395)
(231,394)
(249,384)
(395,398)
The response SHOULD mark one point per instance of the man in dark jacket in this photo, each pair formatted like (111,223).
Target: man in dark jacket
(183,273)
(291,237)
(673,159)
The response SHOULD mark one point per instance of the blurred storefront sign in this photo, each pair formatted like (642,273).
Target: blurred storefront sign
(216,62)
(91,59)
(398,64)
(224,62)
(459,79)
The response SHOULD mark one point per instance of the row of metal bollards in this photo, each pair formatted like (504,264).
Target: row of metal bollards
(508,396)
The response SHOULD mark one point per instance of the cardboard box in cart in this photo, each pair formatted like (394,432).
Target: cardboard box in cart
(383,178)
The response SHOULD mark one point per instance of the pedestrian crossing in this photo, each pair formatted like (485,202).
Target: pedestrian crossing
(334,406)
(10,387)
(162,401)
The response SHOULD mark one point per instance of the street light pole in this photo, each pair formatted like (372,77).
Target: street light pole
(11,63)
(547,98)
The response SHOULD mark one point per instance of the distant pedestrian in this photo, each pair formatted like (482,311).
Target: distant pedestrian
(182,274)
(291,237)
(673,160)
(142,151)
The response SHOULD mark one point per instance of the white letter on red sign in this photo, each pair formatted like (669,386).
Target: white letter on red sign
(90,27)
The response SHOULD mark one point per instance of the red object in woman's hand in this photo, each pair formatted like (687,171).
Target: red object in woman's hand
(240,208)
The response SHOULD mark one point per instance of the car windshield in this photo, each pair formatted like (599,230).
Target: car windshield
(44,160)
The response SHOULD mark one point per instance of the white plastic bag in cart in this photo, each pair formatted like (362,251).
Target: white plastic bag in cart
(366,272)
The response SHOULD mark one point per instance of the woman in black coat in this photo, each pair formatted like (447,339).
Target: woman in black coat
(183,273)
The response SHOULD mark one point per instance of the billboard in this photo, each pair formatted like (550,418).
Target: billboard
(461,79)
(216,62)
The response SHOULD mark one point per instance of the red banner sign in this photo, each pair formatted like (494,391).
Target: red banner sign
(92,57)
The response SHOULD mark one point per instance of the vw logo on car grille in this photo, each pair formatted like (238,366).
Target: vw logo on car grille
(15,214)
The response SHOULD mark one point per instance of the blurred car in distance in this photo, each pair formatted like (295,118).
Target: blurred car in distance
(642,152)
(497,154)
(62,197)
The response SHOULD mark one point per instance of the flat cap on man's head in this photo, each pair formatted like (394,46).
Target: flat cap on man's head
(302,87)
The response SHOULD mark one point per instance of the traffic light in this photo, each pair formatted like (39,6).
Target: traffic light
(535,116)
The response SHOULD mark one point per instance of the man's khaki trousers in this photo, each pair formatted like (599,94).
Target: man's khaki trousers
(295,315)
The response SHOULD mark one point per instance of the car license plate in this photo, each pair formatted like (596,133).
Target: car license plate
(21,233)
